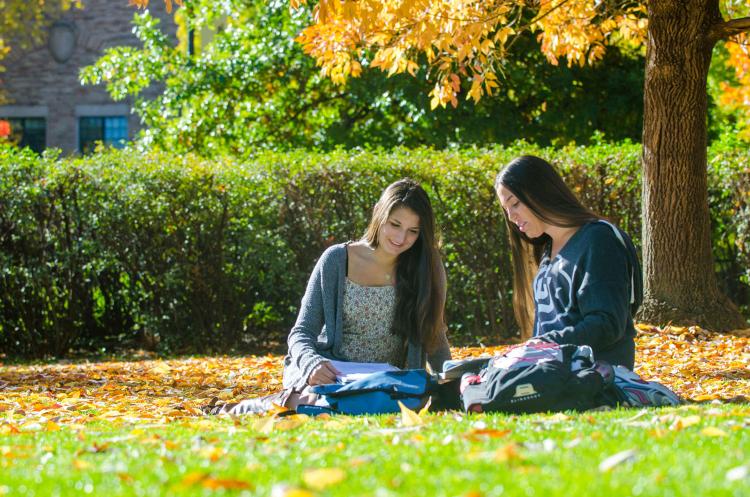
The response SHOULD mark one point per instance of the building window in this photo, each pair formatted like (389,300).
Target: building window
(111,130)
(29,132)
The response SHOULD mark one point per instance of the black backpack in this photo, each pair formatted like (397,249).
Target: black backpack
(536,377)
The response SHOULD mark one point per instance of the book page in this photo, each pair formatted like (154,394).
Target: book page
(351,371)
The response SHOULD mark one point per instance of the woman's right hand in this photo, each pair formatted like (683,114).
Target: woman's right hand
(323,374)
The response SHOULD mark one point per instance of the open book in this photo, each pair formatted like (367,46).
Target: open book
(352,371)
(453,369)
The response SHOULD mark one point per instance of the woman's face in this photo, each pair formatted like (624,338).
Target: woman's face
(399,232)
(520,215)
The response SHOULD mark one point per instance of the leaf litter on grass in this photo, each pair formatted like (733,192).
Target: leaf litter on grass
(697,364)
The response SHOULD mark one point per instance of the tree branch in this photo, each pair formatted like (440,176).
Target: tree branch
(729,28)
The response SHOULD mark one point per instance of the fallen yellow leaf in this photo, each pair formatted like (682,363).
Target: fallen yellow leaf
(319,479)
(225,483)
(556,418)
(691,361)
(480,433)
(426,408)
(681,423)
(161,368)
(291,422)
(712,431)
(8,429)
(170,445)
(264,425)
(212,453)
(194,478)
(409,417)
(705,397)
(295,492)
(52,426)
(657,433)
(508,453)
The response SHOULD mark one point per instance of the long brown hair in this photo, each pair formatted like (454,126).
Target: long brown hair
(420,286)
(538,186)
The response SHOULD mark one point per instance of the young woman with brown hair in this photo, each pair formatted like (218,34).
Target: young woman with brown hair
(378,299)
(577,278)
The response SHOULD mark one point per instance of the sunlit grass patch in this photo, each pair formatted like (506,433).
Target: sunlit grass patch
(691,450)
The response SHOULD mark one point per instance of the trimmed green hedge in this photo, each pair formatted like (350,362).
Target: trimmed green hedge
(187,254)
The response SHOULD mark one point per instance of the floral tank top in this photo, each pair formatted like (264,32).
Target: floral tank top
(368,314)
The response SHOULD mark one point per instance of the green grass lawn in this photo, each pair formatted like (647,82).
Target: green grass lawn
(694,450)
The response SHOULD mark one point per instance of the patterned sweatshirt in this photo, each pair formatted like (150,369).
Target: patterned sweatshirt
(588,293)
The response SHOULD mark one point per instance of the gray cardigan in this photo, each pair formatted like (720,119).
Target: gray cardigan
(317,334)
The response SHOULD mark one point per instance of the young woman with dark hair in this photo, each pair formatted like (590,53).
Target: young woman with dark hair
(576,277)
(379,299)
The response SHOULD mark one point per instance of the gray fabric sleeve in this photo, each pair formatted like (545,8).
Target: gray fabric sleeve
(303,355)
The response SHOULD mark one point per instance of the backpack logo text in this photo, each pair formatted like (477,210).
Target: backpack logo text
(524,390)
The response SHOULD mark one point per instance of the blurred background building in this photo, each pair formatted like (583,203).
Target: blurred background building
(45,103)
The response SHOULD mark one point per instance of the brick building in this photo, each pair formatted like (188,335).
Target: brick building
(47,105)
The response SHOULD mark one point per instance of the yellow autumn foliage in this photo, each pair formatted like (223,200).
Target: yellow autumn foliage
(466,40)
(460,39)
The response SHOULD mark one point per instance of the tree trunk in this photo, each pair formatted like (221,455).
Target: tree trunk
(680,283)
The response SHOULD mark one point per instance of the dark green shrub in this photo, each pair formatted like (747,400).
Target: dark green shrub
(187,254)
(729,200)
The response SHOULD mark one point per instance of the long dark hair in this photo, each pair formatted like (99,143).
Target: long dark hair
(420,285)
(538,186)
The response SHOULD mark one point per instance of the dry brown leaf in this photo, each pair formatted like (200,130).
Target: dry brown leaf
(9,429)
(697,364)
(481,433)
(98,448)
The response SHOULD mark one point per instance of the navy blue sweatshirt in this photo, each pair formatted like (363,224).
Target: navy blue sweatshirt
(583,296)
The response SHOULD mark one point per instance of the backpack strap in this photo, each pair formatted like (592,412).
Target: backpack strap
(627,249)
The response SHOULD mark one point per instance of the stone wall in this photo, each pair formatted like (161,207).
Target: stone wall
(37,85)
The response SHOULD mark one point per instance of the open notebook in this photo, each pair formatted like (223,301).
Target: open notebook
(352,371)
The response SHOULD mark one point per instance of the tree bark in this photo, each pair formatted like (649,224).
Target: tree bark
(679,279)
